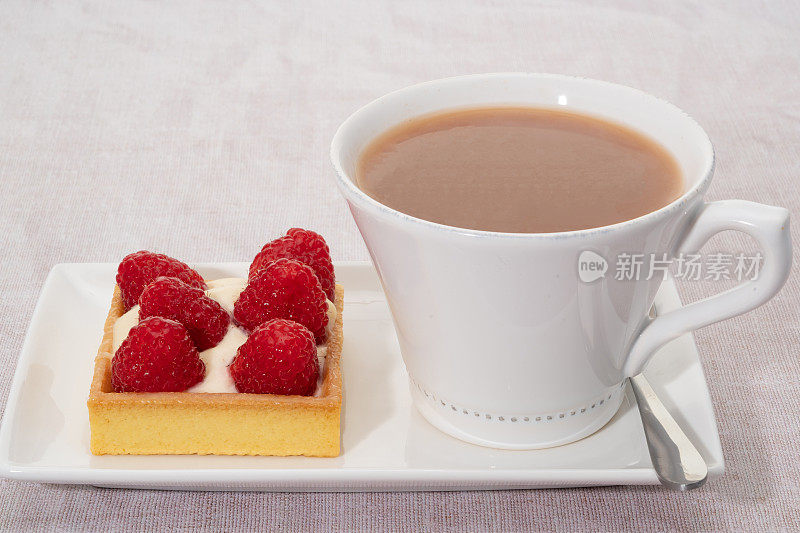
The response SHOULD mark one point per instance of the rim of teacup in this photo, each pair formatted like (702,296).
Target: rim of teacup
(353,193)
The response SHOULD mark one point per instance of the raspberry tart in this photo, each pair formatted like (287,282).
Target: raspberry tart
(229,366)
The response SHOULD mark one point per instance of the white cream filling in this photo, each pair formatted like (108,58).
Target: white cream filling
(225,291)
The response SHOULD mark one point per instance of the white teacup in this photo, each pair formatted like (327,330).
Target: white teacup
(504,344)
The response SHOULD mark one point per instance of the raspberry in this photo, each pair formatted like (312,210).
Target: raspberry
(204,319)
(138,269)
(157,356)
(301,245)
(279,357)
(284,289)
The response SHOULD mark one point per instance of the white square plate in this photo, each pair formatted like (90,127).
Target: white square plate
(386,444)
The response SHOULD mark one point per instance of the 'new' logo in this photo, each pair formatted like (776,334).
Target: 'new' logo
(591,266)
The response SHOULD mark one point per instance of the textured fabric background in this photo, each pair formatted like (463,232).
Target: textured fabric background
(202,130)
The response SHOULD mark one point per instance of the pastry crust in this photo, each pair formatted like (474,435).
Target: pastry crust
(148,423)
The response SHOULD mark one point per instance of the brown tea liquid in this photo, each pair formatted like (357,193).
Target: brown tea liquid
(519,170)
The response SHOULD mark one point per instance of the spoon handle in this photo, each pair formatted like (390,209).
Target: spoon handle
(676,461)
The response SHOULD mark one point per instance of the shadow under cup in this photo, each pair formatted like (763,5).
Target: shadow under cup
(504,345)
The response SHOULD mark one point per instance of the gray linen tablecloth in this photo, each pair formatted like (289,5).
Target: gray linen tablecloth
(202,130)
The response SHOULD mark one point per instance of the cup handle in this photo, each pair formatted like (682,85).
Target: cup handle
(769,226)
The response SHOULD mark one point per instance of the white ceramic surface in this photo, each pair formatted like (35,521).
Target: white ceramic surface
(387,445)
(497,331)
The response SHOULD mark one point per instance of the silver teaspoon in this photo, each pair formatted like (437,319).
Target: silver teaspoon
(676,461)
